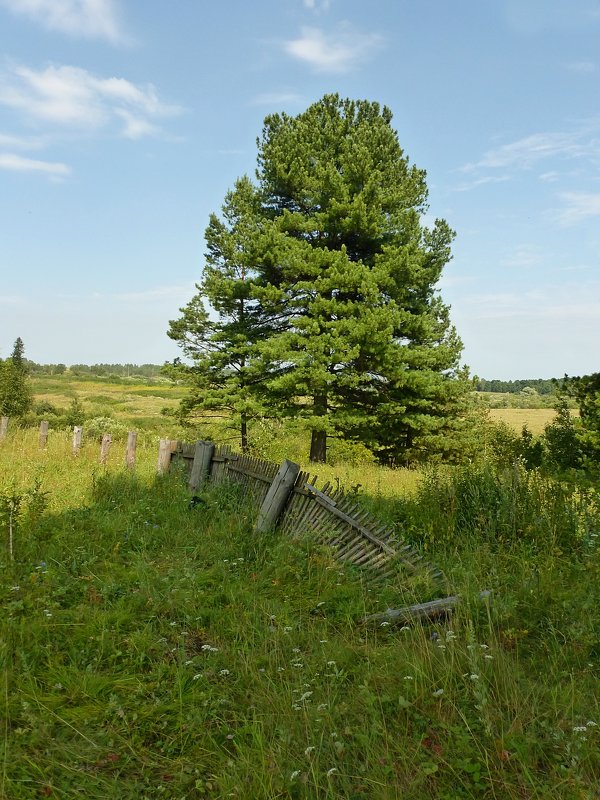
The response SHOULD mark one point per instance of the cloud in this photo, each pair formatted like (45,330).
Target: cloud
(21,142)
(523,256)
(580,206)
(335,52)
(584,67)
(71,96)
(277,99)
(317,5)
(91,19)
(466,187)
(16,163)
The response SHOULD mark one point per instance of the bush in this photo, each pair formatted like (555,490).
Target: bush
(96,428)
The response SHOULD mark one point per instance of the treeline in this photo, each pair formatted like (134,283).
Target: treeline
(96,370)
(529,386)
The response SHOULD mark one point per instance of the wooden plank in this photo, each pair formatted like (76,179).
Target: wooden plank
(277,496)
(3,427)
(334,510)
(164,456)
(105,447)
(201,468)
(77,435)
(131,450)
(44,425)
(421,611)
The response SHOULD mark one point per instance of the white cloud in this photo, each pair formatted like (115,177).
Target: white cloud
(71,96)
(317,5)
(523,256)
(585,67)
(335,52)
(580,206)
(466,187)
(10,161)
(21,142)
(277,99)
(525,152)
(93,19)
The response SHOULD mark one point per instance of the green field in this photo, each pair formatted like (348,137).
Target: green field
(150,650)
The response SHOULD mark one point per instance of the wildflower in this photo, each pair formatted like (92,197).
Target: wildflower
(296,707)
(331,771)
(15,588)
(280,669)
(309,750)
(579,729)
(287,629)
(294,774)
(404,628)
(199,675)
(323,641)
(295,650)
(172,624)
(484,646)
(438,693)
(450,636)
(488,656)
(384,624)
(47,613)
(208,648)
(262,669)
(322,707)
(297,664)
(591,724)
(408,678)
(224,672)
(188,662)
(331,663)
(474,677)
(322,603)
(304,697)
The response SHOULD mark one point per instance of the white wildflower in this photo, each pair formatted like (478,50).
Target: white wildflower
(309,750)
(331,771)
(438,693)
(294,774)
(224,672)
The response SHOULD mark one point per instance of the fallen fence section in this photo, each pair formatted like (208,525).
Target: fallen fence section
(287,497)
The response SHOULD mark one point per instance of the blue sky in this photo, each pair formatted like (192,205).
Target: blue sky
(123,124)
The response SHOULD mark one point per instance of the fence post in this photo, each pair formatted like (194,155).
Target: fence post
(3,426)
(130,452)
(202,464)
(77,434)
(105,447)
(164,456)
(43,433)
(277,496)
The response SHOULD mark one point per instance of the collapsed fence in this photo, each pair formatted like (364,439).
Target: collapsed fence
(286,497)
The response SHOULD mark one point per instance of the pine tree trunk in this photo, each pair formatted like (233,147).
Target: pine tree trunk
(244,433)
(318,441)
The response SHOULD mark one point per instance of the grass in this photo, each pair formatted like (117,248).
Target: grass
(150,650)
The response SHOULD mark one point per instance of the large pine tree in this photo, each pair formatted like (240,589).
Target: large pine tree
(354,337)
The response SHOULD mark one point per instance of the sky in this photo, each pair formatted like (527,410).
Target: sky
(124,123)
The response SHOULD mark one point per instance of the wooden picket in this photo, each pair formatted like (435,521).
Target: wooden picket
(331,515)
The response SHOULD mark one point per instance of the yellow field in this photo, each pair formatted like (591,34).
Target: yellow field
(536,419)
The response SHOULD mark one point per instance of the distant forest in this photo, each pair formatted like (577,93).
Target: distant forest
(98,370)
(539,385)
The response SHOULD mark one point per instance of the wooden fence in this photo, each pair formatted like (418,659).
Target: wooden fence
(286,497)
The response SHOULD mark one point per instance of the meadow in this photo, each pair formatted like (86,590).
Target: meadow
(153,650)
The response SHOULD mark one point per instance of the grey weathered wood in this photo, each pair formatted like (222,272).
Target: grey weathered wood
(131,449)
(164,456)
(3,427)
(328,503)
(421,611)
(77,435)
(277,496)
(44,433)
(201,467)
(105,447)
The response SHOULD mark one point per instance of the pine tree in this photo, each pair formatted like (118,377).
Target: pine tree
(324,280)
(368,340)
(222,374)
(15,393)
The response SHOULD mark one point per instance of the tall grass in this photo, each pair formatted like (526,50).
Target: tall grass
(150,650)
